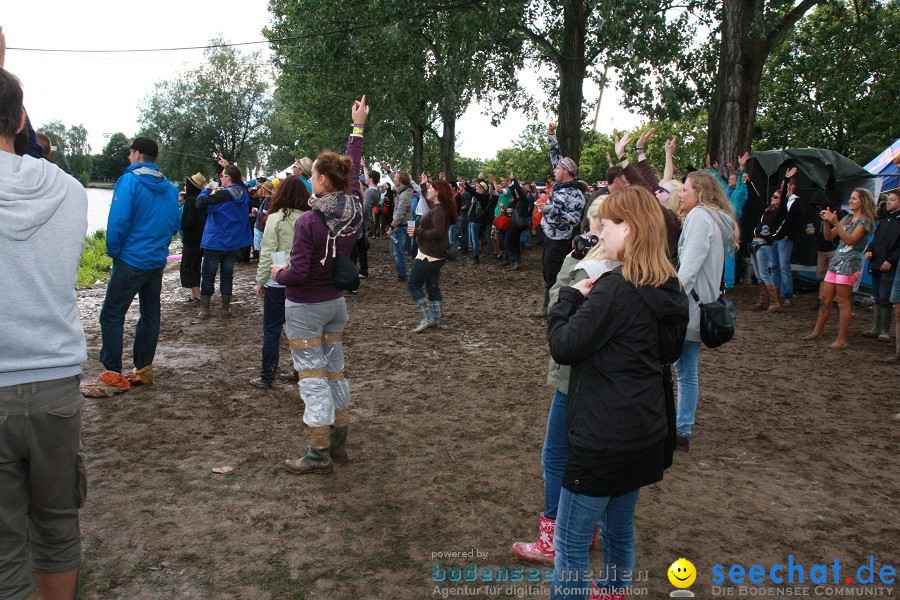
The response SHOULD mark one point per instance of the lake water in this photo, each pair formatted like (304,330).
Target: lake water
(98,208)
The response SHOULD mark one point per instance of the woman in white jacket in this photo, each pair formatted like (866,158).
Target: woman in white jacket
(709,227)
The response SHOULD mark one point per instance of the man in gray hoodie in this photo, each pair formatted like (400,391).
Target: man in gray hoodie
(43,221)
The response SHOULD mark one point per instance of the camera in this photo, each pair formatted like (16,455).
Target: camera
(583,243)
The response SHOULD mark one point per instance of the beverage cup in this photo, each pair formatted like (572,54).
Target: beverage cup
(279,259)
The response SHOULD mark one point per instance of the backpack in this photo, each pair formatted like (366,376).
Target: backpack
(476,213)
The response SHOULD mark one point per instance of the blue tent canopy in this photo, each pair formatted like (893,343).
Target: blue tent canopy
(883,164)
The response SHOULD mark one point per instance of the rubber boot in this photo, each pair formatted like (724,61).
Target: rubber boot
(226,305)
(761,297)
(317,458)
(774,295)
(540,551)
(204,306)
(425,316)
(876,323)
(476,261)
(338,448)
(887,317)
(437,310)
(895,359)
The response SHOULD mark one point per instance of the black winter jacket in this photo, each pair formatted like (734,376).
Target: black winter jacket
(193,219)
(611,338)
(886,244)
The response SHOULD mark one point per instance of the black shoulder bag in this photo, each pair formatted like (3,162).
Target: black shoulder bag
(344,275)
(717,319)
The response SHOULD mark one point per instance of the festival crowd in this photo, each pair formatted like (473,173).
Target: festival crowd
(627,264)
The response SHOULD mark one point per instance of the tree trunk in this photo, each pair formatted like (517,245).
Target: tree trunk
(448,145)
(418,135)
(571,67)
(732,112)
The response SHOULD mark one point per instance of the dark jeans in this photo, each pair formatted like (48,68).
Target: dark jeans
(413,244)
(191,259)
(552,258)
(360,254)
(882,283)
(513,243)
(211,261)
(273,322)
(125,283)
(464,233)
(427,273)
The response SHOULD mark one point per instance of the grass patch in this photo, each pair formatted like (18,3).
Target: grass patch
(95,265)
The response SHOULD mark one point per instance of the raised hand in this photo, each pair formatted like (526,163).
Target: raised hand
(708,161)
(360,110)
(791,172)
(743,159)
(645,137)
(621,144)
(609,160)
(671,145)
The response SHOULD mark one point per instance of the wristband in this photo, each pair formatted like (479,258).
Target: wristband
(623,157)
(638,150)
(359,124)
(357,131)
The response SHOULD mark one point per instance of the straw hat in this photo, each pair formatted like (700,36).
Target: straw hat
(267,188)
(304,164)
(197,180)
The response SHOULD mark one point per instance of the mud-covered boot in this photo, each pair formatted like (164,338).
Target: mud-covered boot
(317,458)
(540,551)
(876,324)
(204,306)
(762,299)
(437,311)
(887,317)
(774,294)
(226,305)
(896,357)
(425,316)
(338,448)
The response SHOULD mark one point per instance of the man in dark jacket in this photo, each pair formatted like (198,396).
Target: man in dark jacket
(792,229)
(883,254)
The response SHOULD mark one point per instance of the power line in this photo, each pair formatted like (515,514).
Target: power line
(275,41)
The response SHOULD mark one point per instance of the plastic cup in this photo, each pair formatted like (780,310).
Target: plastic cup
(279,259)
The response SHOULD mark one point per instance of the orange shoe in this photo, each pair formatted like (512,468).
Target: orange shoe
(141,376)
(108,384)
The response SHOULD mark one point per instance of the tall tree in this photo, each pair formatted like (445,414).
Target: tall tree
(833,83)
(578,38)
(222,108)
(72,152)
(112,161)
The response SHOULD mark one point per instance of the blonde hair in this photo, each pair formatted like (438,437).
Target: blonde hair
(598,252)
(711,195)
(675,199)
(644,252)
(867,210)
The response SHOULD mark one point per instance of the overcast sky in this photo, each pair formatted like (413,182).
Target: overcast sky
(104,91)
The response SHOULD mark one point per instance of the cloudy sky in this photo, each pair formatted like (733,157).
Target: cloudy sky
(104,91)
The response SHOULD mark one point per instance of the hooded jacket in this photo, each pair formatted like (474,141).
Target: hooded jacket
(701,258)
(43,221)
(564,209)
(227,211)
(616,400)
(403,207)
(143,217)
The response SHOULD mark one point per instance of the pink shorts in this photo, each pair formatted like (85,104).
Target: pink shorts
(832,277)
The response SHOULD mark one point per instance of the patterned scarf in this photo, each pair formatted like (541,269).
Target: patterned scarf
(342,215)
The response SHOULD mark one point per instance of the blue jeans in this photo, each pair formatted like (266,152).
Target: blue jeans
(729,267)
(125,283)
(578,515)
(413,244)
(475,236)
(555,454)
(212,259)
(427,273)
(762,260)
(464,232)
(525,238)
(882,282)
(398,250)
(686,368)
(273,322)
(453,233)
(774,266)
(785,249)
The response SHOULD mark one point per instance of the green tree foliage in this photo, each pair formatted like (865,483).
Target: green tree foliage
(113,161)
(222,108)
(420,65)
(72,153)
(833,83)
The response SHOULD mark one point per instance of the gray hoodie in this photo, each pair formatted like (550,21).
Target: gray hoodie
(701,258)
(43,221)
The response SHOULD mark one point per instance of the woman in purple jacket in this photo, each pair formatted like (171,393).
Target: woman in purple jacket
(315,310)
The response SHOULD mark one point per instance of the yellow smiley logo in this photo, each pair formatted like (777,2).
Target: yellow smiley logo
(682,573)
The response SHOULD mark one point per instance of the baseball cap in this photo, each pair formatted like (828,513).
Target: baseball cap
(144,145)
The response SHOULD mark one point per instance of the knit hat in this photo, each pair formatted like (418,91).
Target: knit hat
(569,165)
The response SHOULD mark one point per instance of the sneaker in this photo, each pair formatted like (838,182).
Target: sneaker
(291,376)
(261,383)
(787,303)
(108,384)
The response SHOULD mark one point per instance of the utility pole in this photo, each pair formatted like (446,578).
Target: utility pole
(600,99)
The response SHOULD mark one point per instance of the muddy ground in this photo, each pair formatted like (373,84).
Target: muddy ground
(795,452)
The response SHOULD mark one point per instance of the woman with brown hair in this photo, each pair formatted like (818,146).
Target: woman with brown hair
(315,310)
(619,332)
(845,267)
(290,201)
(433,241)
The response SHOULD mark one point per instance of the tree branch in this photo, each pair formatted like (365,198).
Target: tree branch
(789,20)
(534,38)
